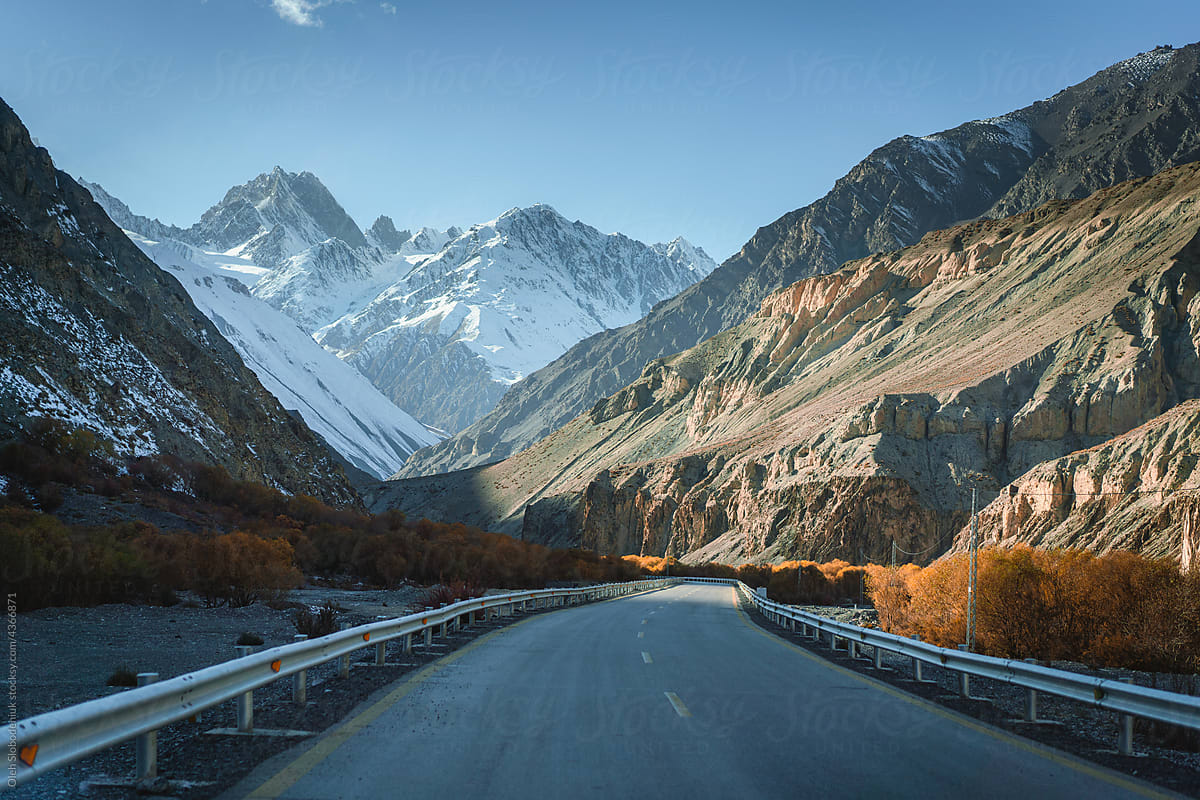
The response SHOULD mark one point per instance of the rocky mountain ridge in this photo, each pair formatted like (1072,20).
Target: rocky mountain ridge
(442,322)
(95,334)
(448,336)
(858,408)
(1132,119)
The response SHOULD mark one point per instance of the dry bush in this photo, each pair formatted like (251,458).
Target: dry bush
(937,611)
(448,594)
(888,589)
(1120,609)
(314,624)
(238,569)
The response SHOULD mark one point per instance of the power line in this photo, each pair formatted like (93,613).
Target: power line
(931,547)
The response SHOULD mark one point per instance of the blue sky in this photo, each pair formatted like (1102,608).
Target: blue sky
(655,119)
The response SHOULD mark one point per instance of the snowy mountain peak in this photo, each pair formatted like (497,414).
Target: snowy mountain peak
(334,400)
(274,216)
(383,234)
(428,241)
(687,255)
(494,304)
(531,212)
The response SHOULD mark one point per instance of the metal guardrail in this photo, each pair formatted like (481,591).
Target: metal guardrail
(1127,699)
(56,738)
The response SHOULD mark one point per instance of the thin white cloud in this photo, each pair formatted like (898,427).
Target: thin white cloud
(300,12)
(388,8)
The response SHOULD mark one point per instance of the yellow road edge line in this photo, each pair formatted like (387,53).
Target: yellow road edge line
(336,737)
(677,704)
(1036,748)
(646,658)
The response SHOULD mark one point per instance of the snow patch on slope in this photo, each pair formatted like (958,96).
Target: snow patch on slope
(334,400)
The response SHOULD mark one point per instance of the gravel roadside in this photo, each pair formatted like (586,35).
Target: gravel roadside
(65,656)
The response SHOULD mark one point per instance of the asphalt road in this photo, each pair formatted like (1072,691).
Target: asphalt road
(667,694)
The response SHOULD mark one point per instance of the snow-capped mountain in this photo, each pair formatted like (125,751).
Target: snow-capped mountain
(453,330)
(273,217)
(441,321)
(333,398)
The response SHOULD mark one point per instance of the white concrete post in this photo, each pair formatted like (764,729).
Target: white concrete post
(300,679)
(1031,705)
(245,702)
(147,743)
(877,657)
(1125,733)
(851,648)
(380,653)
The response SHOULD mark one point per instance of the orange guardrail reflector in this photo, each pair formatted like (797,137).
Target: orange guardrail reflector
(424,620)
(275,665)
(28,754)
(366,637)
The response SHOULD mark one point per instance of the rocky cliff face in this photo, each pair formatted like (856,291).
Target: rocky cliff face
(859,407)
(1137,492)
(92,332)
(1132,119)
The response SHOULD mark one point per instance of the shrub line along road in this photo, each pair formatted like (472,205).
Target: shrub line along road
(668,693)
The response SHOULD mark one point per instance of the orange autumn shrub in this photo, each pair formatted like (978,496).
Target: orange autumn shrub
(1118,609)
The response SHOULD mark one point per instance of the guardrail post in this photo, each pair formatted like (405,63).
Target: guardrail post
(877,656)
(1031,705)
(1125,732)
(832,641)
(344,666)
(408,642)
(442,632)
(428,631)
(917,670)
(851,649)
(964,679)
(245,702)
(147,743)
(380,653)
(300,679)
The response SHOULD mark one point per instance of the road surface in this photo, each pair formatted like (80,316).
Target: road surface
(672,693)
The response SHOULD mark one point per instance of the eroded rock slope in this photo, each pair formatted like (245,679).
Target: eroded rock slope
(1132,119)
(858,408)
